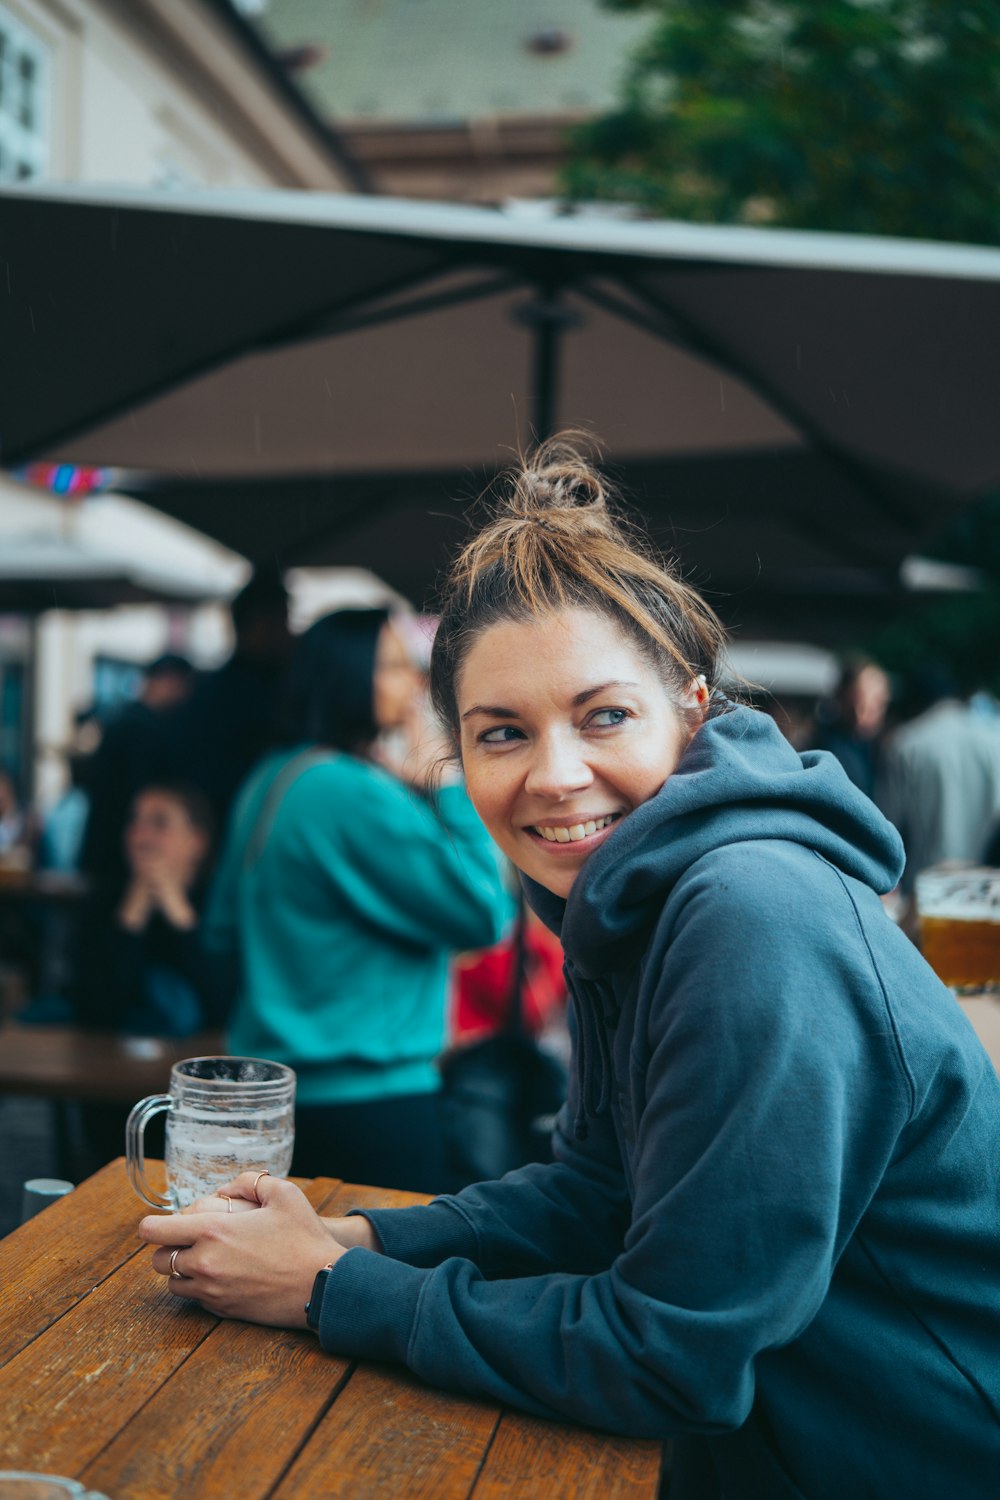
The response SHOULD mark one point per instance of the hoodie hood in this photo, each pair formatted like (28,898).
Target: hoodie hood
(738,780)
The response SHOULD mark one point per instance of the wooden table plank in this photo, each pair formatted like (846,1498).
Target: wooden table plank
(84,1238)
(68,1062)
(535,1460)
(389,1434)
(231,1419)
(119,1346)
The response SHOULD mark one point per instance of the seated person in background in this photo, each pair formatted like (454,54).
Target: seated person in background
(141,966)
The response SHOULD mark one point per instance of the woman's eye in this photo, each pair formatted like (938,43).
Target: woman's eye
(503,734)
(607,718)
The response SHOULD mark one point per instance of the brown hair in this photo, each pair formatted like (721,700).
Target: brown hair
(554,542)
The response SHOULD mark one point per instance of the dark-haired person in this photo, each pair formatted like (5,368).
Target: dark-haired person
(771,1230)
(142,967)
(346,889)
(214,738)
(131,754)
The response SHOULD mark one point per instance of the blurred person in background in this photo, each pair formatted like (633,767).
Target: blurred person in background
(142,967)
(231,716)
(60,843)
(346,886)
(940,779)
(854,727)
(131,753)
(13,821)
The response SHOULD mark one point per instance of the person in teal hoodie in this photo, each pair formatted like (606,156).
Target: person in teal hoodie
(771,1229)
(346,888)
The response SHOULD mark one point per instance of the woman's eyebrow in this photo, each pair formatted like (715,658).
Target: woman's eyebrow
(495,711)
(601,687)
(490,711)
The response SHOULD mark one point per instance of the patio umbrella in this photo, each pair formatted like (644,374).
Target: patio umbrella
(326,380)
(38,573)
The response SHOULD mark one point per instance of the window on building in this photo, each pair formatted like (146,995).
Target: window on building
(24,101)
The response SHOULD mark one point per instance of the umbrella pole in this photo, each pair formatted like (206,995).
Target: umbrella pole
(548,317)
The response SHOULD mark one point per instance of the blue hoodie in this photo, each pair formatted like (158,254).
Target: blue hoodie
(772,1229)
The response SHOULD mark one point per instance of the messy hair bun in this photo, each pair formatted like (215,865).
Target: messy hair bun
(554,540)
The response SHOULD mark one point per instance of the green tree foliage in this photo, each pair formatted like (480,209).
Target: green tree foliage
(864,116)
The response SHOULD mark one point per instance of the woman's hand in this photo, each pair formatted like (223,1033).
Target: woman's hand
(257,1265)
(169,893)
(136,906)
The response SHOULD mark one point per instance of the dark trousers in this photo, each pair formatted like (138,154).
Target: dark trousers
(391,1143)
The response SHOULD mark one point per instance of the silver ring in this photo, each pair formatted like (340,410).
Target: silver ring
(173,1264)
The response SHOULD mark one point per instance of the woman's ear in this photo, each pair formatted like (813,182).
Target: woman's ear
(696,696)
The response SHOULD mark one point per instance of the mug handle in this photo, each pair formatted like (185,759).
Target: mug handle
(135,1144)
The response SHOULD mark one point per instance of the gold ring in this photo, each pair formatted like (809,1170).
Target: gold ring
(229,1202)
(265,1173)
(173,1264)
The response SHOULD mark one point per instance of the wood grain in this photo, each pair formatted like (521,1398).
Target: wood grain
(94,1368)
(68,1249)
(232,1417)
(387,1434)
(347,1195)
(535,1460)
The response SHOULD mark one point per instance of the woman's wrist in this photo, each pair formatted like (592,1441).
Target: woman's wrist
(354,1232)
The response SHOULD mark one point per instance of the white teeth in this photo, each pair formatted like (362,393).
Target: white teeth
(575,832)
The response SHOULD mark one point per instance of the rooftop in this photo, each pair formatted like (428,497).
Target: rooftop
(437,62)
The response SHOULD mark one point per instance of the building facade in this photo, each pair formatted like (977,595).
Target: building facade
(146,93)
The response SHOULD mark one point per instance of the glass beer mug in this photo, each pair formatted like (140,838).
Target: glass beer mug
(225,1115)
(958,909)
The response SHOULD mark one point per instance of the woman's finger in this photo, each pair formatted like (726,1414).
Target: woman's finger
(221,1203)
(248,1186)
(178,1229)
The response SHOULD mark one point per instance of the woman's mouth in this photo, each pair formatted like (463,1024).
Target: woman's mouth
(573,833)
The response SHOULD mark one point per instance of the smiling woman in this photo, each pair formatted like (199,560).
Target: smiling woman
(553,760)
(771,1228)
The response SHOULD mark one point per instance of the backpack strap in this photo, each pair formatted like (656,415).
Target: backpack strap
(275,795)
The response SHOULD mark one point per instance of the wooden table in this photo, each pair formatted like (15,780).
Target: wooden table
(110,1379)
(67,1062)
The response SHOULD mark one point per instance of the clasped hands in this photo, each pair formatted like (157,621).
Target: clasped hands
(255,1259)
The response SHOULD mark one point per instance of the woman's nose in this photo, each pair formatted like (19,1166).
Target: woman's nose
(557,767)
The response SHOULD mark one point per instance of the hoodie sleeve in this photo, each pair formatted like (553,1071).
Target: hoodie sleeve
(769,1103)
(567,1215)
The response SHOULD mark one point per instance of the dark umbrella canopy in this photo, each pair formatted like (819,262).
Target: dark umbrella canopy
(328,380)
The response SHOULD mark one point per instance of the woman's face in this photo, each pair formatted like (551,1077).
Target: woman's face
(160,836)
(398,683)
(565,728)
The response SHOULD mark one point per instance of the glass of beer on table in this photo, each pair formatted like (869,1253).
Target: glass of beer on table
(958,909)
